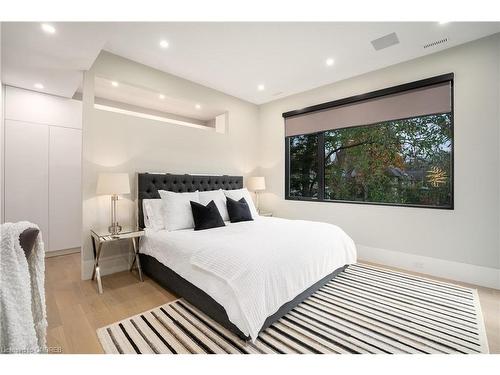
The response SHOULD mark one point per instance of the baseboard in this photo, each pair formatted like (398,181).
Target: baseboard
(468,273)
(56,253)
(107,265)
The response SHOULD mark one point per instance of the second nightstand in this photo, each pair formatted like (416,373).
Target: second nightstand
(268,214)
(99,237)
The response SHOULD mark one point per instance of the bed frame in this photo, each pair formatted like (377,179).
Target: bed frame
(148,186)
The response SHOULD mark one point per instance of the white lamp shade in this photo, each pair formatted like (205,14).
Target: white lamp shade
(113,183)
(256,183)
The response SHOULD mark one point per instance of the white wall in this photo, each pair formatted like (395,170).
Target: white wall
(116,142)
(411,237)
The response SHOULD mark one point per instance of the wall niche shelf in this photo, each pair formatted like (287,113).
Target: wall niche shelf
(131,100)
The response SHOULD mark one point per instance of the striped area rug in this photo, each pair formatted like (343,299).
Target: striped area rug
(365,309)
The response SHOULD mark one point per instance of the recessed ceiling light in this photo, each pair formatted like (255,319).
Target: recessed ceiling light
(330,62)
(443,22)
(161,96)
(38,86)
(163,44)
(261,87)
(197,106)
(114,83)
(49,29)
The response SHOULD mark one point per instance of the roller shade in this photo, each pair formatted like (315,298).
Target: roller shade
(411,103)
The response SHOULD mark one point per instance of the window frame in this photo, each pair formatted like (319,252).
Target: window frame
(449,77)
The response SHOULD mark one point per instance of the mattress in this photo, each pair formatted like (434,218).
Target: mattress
(252,268)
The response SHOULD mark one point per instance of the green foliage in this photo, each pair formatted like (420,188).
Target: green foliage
(303,169)
(388,162)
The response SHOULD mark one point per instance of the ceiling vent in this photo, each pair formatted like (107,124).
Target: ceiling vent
(436,43)
(385,41)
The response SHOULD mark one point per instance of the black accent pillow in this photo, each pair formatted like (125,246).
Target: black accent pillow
(206,217)
(238,210)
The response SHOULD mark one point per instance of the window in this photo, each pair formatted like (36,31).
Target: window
(304,167)
(392,147)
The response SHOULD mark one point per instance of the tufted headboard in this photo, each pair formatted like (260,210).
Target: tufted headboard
(148,185)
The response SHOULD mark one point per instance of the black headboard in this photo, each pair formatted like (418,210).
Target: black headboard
(148,185)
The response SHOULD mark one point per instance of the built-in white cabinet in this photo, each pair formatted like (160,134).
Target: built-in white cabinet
(65,194)
(27,173)
(43,146)
(37,108)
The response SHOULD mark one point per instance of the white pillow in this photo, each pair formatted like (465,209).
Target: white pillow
(152,210)
(219,199)
(243,193)
(177,212)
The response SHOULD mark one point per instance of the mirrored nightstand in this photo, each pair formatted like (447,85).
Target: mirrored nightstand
(102,236)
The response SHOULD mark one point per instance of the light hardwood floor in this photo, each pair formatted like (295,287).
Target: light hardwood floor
(75,310)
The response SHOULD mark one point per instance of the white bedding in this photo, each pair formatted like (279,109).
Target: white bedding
(252,268)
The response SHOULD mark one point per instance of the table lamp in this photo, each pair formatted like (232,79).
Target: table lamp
(256,184)
(113,184)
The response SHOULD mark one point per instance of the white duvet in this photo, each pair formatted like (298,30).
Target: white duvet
(252,268)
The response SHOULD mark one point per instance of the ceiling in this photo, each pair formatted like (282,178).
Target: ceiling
(234,58)
(57,61)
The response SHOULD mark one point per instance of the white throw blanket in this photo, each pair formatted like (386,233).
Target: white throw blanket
(23,319)
(269,262)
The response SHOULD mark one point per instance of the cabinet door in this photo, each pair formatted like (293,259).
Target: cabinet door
(35,107)
(65,197)
(26,174)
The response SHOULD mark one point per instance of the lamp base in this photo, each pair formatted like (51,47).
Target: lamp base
(115,229)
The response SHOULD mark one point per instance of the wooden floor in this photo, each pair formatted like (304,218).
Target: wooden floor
(75,310)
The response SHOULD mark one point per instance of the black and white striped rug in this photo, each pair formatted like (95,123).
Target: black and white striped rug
(365,309)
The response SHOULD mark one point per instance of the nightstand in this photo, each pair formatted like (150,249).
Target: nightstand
(268,214)
(102,236)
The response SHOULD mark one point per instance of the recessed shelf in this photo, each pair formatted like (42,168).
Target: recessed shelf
(156,105)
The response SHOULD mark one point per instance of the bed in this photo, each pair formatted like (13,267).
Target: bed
(245,275)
